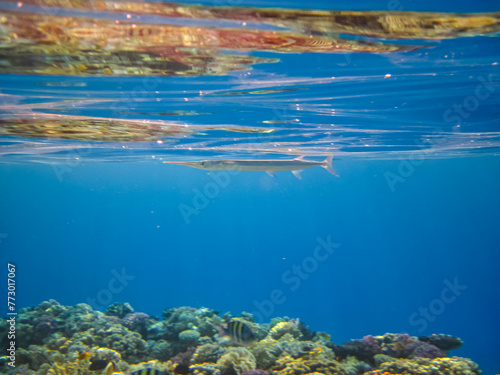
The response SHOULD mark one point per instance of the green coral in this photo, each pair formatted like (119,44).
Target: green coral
(283,328)
(119,310)
(189,335)
(161,350)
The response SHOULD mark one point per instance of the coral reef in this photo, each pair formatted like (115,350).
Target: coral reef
(119,309)
(189,335)
(425,366)
(283,328)
(236,361)
(136,321)
(390,344)
(52,339)
(443,342)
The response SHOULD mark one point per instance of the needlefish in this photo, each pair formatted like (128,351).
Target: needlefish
(269,166)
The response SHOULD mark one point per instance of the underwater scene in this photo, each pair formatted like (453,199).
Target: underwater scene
(247,187)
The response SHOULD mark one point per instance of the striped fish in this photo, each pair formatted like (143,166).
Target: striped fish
(148,371)
(240,332)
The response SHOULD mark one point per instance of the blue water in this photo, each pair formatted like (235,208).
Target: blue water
(412,219)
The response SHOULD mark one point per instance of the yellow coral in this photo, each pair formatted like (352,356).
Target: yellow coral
(290,366)
(238,360)
(426,366)
(155,364)
(70,368)
(204,369)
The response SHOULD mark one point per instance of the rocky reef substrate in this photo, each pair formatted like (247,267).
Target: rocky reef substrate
(52,339)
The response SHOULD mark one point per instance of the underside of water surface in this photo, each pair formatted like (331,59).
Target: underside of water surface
(231,88)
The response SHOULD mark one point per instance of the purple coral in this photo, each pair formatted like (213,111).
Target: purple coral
(426,350)
(370,345)
(185,357)
(255,372)
(405,346)
(135,321)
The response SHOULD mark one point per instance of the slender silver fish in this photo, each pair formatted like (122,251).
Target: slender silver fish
(269,166)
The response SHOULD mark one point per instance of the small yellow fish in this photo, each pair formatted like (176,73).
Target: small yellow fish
(148,371)
(83,356)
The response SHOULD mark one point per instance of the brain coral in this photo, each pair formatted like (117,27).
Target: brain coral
(207,353)
(284,327)
(236,361)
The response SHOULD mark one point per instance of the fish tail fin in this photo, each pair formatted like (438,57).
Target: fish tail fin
(327,164)
(111,368)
